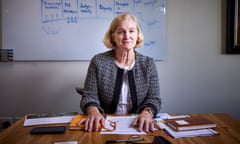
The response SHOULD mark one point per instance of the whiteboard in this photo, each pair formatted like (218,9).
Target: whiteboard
(69,30)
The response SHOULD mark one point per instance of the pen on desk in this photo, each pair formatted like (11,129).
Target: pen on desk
(214,132)
(124,140)
(76,128)
(115,141)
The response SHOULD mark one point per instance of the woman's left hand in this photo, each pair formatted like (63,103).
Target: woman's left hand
(144,122)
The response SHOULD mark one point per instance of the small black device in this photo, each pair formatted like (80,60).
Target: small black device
(160,140)
(48,130)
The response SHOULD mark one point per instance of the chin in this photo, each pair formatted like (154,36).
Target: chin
(128,48)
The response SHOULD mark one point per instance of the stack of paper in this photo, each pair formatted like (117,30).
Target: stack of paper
(161,121)
(190,123)
(192,133)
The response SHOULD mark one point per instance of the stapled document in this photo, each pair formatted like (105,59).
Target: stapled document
(41,119)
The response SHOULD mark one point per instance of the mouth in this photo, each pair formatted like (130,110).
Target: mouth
(127,42)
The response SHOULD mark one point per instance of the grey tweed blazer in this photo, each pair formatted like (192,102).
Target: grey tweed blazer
(104,79)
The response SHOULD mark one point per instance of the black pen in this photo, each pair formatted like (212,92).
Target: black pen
(124,140)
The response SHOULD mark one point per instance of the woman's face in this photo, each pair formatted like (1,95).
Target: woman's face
(126,34)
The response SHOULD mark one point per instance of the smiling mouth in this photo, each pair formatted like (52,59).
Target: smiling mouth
(126,42)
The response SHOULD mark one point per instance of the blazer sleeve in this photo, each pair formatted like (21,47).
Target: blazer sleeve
(152,98)
(90,93)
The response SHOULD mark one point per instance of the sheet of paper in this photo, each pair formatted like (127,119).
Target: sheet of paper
(122,125)
(35,119)
(69,142)
(163,116)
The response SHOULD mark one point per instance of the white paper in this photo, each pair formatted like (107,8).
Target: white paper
(164,116)
(123,125)
(47,120)
(69,142)
(181,122)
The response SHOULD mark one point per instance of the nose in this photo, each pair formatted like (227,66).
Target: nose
(126,35)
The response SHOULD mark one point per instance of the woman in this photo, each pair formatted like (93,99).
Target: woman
(121,80)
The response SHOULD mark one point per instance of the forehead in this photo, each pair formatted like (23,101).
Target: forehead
(127,23)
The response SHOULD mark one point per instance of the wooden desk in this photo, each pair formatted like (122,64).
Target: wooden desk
(227,126)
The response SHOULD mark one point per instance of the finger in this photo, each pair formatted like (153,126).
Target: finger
(82,121)
(86,125)
(152,126)
(134,122)
(90,125)
(140,125)
(146,126)
(102,121)
(96,124)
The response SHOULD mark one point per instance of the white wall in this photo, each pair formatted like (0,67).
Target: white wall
(195,78)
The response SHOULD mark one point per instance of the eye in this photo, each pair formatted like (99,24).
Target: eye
(120,32)
(132,30)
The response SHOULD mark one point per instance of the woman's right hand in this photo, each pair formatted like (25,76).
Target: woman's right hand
(93,120)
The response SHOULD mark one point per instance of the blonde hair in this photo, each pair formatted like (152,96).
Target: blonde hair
(108,39)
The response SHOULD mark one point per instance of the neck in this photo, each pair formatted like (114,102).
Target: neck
(125,58)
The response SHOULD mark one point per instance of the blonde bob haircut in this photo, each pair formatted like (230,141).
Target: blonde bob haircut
(108,39)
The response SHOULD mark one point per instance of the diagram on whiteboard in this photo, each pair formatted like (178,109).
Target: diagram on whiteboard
(74,29)
(75,11)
